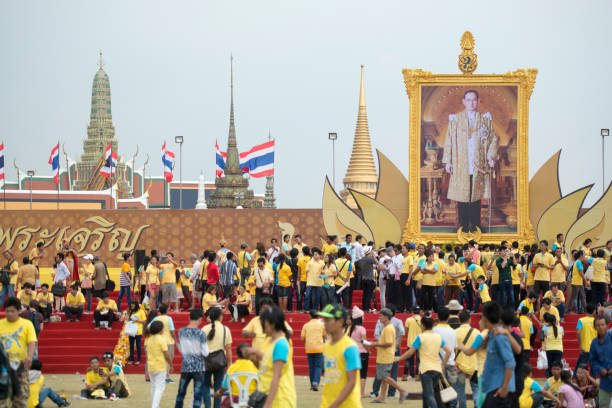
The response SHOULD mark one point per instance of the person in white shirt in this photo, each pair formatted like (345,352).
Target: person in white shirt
(449,336)
(195,275)
(62,274)
(383,276)
(274,250)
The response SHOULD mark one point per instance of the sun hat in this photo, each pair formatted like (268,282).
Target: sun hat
(356,313)
(454,305)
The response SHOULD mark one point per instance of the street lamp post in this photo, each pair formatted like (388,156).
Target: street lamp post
(604,133)
(179,140)
(30,175)
(333,137)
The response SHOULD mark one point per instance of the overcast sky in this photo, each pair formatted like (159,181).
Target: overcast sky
(296,75)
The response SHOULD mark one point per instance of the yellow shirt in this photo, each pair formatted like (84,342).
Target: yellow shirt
(313,270)
(516,274)
(79,299)
(166,330)
(140,315)
(542,273)
(556,299)
(413,329)
(454,269)
(286,396)
(208,297)
(302,267)
(94,376)
(553,385)
(526,326)
(185,280)
(551,342)
(44,300)
(203,272)
(587,332)
(251,285)
(27,273)
(429,279)
(553,311)
(478,271)
(429,343)
(525,399)
(329,270)
(246,296)
(329,249)
(284,276)
(558,273)
(418,275)
(576,278)
(484,293)
(156,345)
(216,343)
(168,273)
(407,262)
(24,298)
(440,277)
(153,274)
(385,355)
(335,374)
(600,271)
(467,364)
(481,354)
(494,272)
(313,332)
(33,254)
(343,266)
(87,271)
(34,391)
(242,366)
(242,260)
(14,268)
(101,305)
(529,276)
(255,326)
(15,337)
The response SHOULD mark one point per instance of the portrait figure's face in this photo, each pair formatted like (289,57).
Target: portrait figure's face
(470,101)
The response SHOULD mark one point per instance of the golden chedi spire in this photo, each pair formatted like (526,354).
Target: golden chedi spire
(361,173)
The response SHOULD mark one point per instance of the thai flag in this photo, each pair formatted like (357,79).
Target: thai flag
(259,161)
(220,161)
(54,162)
(110,162)
(168,161)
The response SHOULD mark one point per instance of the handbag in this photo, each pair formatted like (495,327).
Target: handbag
(257,399)
(265,290)
(58,290)
(110,284)
(216,360)
(86,283)
(447,393)
(131,329)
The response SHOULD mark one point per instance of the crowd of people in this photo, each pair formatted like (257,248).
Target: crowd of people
(523,295)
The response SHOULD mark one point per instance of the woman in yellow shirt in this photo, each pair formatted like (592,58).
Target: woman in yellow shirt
(329,274)
(138,316)
(553,341)
(284,281)
(152,280)
(243,304)
(276,376)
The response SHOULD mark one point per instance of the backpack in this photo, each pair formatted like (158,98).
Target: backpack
(9,384)
(35,321)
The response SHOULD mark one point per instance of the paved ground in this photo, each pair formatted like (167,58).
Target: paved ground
(71,384)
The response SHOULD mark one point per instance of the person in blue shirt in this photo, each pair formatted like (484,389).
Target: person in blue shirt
(498,383)
(601,360)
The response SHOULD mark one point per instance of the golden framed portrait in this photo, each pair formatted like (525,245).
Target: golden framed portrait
(468,156)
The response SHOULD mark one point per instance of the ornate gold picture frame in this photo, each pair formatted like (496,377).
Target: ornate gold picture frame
(437,216)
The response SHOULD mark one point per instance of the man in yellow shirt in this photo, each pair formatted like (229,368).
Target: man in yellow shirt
(601,278)
(559,270)
(585,332)
(26,295)
(45,301)
(168,280)
(8,276)
(406,290)
(36,254)
(302,261)
(19,341)
(314,282)
(330,248)
(385,357)
(453,272)
(27,273)
(466,365)
(344,273)
(313,334)
(158,359)
(543,262)
(96,381)
(413,329)
(342,362)
(74,304)
(558,299)
(105,311)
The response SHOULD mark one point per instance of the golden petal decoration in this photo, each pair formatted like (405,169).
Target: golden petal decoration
(593,224)
(393,190)
(559,217)
(339,219)
(382,222)
(544,188)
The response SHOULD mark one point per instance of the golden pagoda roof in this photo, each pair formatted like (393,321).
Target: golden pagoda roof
(361,166)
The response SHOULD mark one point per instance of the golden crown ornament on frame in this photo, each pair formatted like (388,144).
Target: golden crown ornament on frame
(478,189)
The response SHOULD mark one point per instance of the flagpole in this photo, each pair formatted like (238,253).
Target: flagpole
(58,176)
(4,181)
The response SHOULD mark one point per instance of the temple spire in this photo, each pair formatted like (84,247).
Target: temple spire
(232,164)
(361,173)
(100,61)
